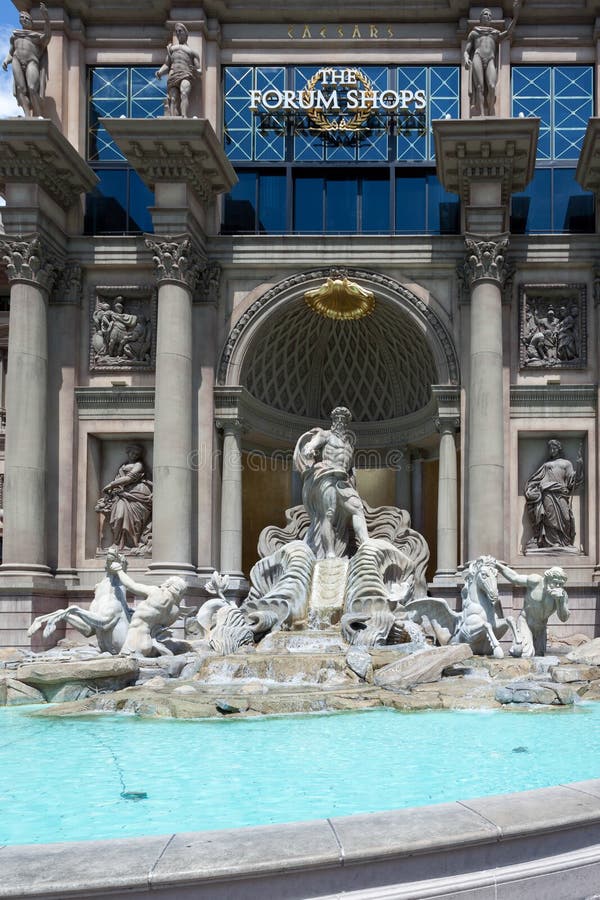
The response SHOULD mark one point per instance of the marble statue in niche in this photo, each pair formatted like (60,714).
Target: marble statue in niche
(182,68)
(28,57)
(481,60)
(552,333)
(126,506)
(549,498)
(122,334)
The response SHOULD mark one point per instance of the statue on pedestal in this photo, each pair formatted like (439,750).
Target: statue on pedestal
(29,59)
(549,497)
(481,60)
(544,595)
(182,68)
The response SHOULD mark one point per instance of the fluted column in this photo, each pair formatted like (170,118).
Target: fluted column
(177,266)
(485,273)
(31,266)
(447,518)
(231,496)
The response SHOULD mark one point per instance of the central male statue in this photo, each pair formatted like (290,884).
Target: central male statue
(324,460)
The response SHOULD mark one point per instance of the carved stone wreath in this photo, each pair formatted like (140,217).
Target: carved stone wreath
(122,340)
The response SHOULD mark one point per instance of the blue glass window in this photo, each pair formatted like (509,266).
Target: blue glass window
(553,201)
(116,91)
(256,203)
(563,99)
(441,86)
(422,204)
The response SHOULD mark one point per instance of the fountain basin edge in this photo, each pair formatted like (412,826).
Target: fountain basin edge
(504,846)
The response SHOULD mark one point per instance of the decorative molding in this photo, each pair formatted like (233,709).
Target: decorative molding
(132,347)
(553,326)
(289,284)
(188,166)
(234,403)
(115,402)
(447,423)
(486,259)
(210,282)
(176,259)
(40,167)
(67,289)
(30,259)
(553,400)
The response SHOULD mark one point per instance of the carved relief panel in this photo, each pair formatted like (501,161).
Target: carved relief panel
(122,328)
(553,326)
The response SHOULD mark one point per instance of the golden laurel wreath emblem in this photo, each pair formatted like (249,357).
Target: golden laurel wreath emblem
(353,123)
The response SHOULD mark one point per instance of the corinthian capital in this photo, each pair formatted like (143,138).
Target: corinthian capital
(29,259)
(175,259)
(486,258)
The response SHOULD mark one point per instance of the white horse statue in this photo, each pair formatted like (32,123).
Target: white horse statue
(481,622)
(108,616)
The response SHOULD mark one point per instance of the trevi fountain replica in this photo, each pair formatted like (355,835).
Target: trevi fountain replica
(337,616)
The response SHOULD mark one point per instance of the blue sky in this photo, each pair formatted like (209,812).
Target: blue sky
(9,19)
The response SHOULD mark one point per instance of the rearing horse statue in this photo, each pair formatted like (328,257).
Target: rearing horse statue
(481,622)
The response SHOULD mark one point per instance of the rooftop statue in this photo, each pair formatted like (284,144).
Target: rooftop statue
(182,67)
(29,59)
(481,60)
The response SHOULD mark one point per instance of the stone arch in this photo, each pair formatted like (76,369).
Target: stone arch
(293,365)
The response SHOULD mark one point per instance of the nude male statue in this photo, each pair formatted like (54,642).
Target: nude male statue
(324,460)
(481,60)
(544,595)
(29,58)
(182,66)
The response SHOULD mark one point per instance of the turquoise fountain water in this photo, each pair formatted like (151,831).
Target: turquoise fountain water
(118,776)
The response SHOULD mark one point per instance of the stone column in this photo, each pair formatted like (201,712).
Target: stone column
(31,267)
(231,497)
(416,491)
(485,273)
(177,267)
(403,470)
(447,517)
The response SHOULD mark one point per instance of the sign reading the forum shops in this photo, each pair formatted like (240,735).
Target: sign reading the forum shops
(337,100)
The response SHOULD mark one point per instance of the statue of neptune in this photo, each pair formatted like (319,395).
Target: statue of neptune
(324,460)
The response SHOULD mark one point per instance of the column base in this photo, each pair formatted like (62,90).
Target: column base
(184,570)
(23,572)
(445,577)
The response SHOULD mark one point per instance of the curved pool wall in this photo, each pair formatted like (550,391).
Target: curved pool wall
(535,844)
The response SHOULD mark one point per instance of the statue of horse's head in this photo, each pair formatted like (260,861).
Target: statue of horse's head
(483,574)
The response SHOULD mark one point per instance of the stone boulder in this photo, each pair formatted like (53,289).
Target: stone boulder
(589,653)
(568,673)
(65,680)
(15,693)
(546,693)
(358,661)
(423,666)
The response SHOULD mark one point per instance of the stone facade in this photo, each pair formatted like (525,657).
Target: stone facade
(194,340)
